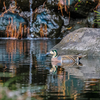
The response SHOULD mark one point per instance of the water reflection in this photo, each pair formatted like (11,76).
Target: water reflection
(25,68)
(62,83)
(23,56)
(75,80)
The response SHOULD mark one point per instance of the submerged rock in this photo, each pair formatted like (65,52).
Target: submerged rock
(84,40)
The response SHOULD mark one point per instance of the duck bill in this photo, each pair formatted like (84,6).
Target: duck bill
(48,53)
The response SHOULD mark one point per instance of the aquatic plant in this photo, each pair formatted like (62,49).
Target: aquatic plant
(43,30)
(12,31)
(97,20)
(62,4)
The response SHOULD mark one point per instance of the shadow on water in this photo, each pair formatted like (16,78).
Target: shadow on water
(25,68)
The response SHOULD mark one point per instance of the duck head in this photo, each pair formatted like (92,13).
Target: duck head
(53,70)
(54,53)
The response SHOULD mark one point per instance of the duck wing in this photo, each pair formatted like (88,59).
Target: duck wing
(68,58)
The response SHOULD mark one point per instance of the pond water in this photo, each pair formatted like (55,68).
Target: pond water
(25,68)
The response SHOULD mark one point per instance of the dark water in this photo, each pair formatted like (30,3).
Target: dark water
(25,68)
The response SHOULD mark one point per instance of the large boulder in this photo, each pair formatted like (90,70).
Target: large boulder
(4,21)
(8,18)
(48,21)
(84,40)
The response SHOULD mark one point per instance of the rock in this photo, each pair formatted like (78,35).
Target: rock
(77,9)
(24,4)
(47,22)
(90,19)
(7,17)
(1,5)
(4,21)
(81,9)
(84,40)
(75,24)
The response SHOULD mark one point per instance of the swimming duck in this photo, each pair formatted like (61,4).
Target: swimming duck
(65,58)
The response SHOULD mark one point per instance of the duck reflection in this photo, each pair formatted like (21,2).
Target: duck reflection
(70,64)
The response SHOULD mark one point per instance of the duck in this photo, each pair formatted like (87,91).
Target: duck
(65,58)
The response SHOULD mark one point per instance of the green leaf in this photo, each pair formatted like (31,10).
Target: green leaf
(96,11)
(98,14)
(96,20)
(75,8)
(79,0)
